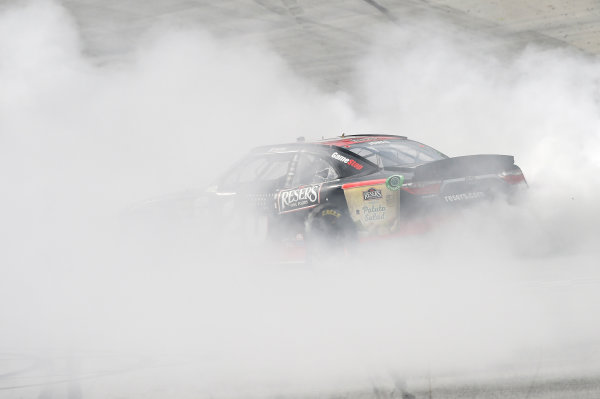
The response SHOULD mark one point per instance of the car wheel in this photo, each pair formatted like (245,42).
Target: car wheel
(328,231)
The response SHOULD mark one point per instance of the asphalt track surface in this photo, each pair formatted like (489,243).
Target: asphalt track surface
(323,47)
(127,376)
(321,39)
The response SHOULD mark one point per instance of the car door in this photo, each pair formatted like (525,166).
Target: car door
(308,173)
(244,197)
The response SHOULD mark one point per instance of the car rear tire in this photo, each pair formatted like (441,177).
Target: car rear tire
(329,231)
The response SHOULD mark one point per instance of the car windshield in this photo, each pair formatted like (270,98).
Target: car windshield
(395,152)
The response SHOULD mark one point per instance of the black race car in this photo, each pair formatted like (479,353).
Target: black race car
(351,187)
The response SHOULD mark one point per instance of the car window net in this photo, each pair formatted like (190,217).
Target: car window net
(313,169)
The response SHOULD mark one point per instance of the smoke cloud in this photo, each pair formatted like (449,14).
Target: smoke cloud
(501,289)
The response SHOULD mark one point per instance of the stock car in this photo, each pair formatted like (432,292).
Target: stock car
(353,187)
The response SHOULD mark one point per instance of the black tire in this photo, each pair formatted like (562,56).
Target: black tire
(328,231)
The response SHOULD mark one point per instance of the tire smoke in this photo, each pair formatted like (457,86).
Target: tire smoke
(498,290)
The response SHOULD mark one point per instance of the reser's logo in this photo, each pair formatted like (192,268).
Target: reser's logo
(346,160)
(299,198)
(305,193)
(372,193)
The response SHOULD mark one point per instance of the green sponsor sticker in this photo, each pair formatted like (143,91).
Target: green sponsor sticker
(394,182)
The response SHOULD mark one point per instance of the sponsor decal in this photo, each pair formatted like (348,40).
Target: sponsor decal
(394,182)
(374,212)
(372,193)
(376,216)
(332,212)
(378,142)
(299,198)
(464,196)
(346,160)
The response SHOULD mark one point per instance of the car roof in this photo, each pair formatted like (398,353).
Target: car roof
(350,140)
(339,146)
(343,141)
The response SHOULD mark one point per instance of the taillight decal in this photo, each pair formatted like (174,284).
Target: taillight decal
(513,176)
(514,179)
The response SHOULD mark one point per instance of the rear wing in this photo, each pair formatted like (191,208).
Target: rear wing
(464,166)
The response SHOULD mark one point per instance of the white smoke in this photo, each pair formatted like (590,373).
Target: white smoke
(80,141)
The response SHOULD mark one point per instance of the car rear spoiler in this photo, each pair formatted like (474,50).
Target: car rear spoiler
(470,165)
(451,168)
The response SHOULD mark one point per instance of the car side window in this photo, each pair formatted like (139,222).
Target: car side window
(251,170)
(369,155)
(312,168)
(263,171)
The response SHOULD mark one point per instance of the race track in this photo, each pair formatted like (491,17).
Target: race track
(93,308)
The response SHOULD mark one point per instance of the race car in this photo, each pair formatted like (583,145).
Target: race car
(352,187)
